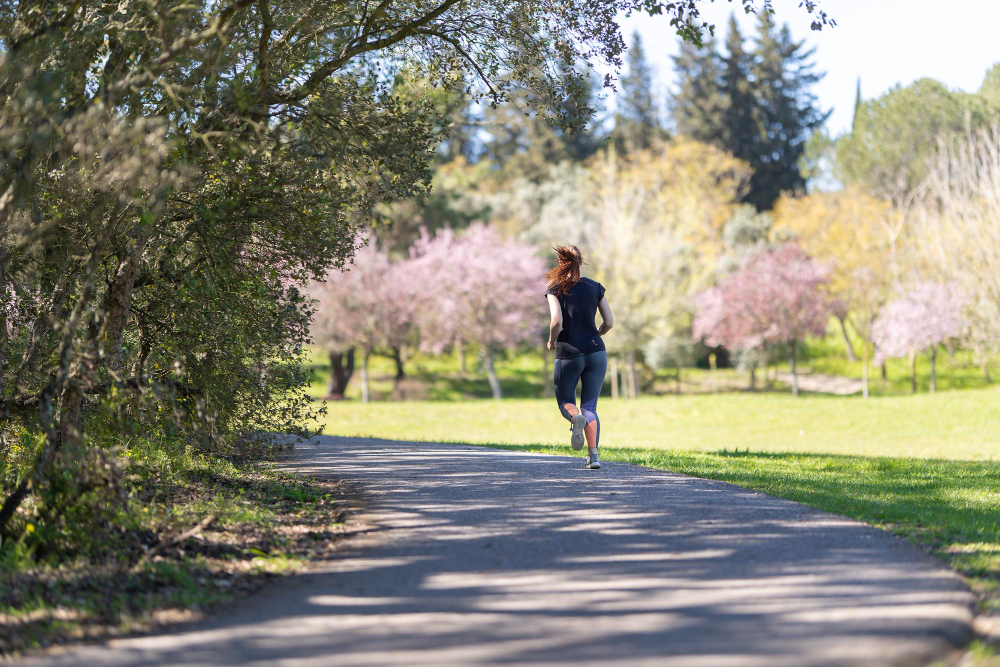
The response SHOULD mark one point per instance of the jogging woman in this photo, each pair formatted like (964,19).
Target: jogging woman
(580,354)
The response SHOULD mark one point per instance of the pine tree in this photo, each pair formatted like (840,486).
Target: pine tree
(637,123)
(697,109)
(742,126)
(786,112)
(754,103)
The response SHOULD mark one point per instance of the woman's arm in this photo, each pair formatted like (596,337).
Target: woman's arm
(555,320)
(608,319)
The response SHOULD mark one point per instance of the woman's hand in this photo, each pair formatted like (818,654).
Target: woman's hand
(550,345)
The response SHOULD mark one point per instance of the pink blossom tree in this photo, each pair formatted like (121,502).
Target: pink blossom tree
(926,315)
(479,288)
(778,296)
(369,304)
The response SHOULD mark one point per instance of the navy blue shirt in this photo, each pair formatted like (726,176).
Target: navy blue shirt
(579,307)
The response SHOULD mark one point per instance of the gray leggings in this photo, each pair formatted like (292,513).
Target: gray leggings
(588,369)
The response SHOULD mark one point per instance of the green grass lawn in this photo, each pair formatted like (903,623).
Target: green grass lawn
(954,425)
(926,467)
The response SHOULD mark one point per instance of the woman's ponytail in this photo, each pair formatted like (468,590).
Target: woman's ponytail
(566,273)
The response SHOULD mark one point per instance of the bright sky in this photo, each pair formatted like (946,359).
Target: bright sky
(884,42)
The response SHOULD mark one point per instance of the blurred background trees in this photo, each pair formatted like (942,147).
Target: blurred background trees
(671,194)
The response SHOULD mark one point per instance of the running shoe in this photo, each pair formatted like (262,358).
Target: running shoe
(579,423)
(593,461)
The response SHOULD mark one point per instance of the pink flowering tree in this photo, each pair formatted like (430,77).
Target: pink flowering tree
(478,288)
(369,304)
(926,315)
(778,296)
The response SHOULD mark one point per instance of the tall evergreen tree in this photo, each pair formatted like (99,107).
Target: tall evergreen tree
(742,128)
(753,103)
(697,109)
(637,122)
(786,110)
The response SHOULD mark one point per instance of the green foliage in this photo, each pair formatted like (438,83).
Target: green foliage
(173,172)
(895,135)
(990,89)
(72,580)
(754,103)
(637,122)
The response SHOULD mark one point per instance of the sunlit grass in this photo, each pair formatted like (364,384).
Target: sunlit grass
(951,425)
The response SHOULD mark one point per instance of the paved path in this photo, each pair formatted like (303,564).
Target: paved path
(487,557)
(824,384)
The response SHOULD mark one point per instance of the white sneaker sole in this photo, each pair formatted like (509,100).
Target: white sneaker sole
(594,466)
(579,423)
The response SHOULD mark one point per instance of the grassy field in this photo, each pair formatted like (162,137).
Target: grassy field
(952,425)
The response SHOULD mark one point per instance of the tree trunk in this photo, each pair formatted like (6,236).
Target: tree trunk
(885,375)
(397,356)
(547,379)
(365,394)
(340,373)
(677,365)
(633,381)
(851,356)
(913,371)
(753,377)
(460,351)
(864,372)
(951,350)
(614,378)
(933,368)
(491,373)
(713,365)
(117,302)
(623,376)
(795,375)
(986,370)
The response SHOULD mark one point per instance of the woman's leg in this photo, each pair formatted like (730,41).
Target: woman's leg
(565,375)
(592,379)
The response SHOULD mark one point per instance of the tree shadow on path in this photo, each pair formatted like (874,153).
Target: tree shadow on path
(487,557)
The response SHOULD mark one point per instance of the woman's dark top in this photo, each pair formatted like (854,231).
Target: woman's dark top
(579,306)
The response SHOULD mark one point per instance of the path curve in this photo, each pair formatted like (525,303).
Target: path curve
(479,556)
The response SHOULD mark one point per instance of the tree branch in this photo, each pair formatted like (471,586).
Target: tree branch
(349,52)
(266,28)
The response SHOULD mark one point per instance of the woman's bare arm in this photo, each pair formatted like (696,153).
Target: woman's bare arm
(608,319)
(555,320)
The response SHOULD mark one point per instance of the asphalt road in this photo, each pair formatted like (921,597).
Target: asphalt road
(478,556)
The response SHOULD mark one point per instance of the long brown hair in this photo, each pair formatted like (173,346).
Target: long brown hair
(566,273)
